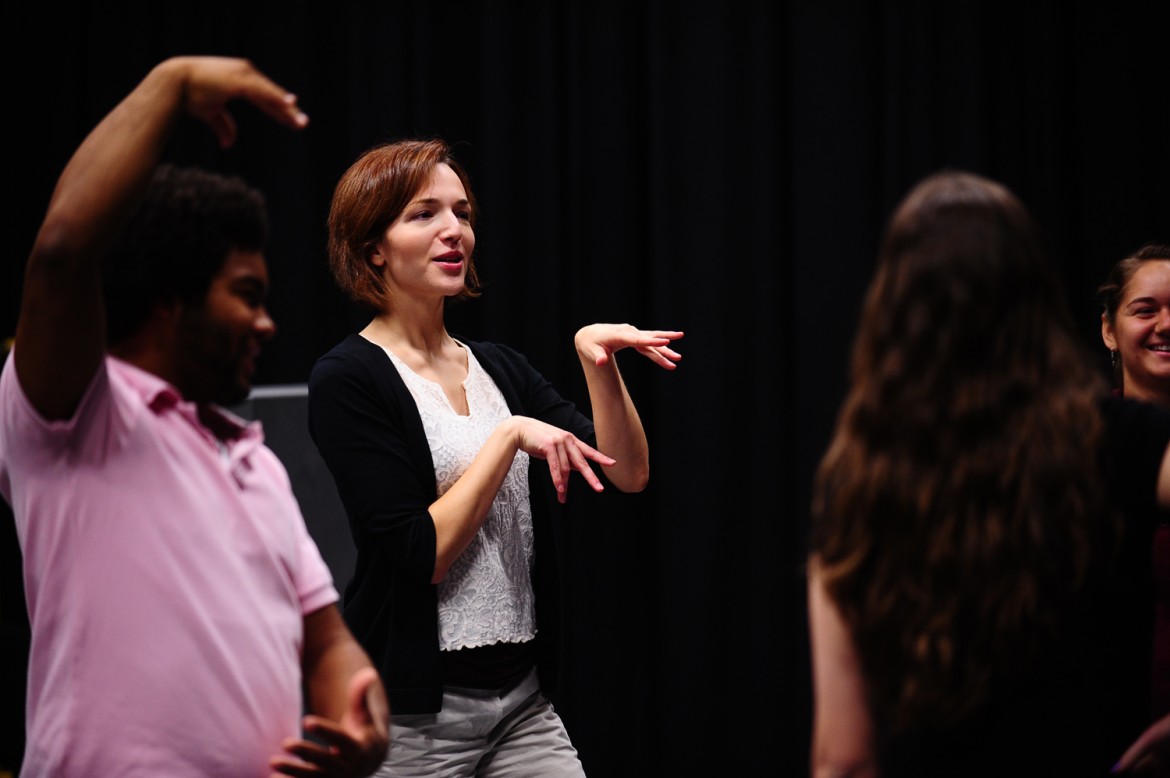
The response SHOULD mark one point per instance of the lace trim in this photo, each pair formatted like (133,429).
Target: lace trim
(487,595)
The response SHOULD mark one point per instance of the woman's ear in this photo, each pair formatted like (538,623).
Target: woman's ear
(1107,333)
(376,258)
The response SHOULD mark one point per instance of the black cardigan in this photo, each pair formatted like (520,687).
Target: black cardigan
(367,428)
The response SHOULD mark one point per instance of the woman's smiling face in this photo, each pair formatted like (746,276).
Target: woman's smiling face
(1140,332)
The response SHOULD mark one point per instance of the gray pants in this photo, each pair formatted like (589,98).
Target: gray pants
(483,734)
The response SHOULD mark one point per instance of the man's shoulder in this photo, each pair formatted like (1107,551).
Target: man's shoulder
(105,382)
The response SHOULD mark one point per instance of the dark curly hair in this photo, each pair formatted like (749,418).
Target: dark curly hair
(176,242)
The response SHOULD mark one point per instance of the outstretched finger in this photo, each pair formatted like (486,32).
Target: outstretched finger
(581,465)
(591,453)
(662,356)
(666,334)
(580,455)
(281,106)
(558,470)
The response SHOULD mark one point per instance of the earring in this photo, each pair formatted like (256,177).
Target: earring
(1113,358)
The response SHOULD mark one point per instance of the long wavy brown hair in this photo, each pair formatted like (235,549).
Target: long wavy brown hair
(959,505)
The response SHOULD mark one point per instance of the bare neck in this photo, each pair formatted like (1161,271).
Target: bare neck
(415,339)
(1146,394)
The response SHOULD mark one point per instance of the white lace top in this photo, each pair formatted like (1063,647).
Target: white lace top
(486,596)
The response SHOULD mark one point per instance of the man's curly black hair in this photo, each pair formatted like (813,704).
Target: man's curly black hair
(176,242)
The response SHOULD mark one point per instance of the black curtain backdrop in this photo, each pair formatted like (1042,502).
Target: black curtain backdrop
(721,168)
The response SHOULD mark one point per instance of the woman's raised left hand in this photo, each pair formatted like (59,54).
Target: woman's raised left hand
(596,343)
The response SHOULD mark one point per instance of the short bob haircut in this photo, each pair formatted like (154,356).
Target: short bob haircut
(371,194)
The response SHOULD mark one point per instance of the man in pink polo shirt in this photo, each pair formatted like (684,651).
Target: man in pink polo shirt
(178,605)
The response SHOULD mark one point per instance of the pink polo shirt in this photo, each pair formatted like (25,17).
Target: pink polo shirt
(166,582)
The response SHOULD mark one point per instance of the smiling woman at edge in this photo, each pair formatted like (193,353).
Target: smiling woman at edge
(430,439)
(1135,326)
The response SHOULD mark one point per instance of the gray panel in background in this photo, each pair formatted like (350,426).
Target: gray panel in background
(283,411)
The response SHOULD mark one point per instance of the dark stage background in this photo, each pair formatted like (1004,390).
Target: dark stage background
(720,168)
